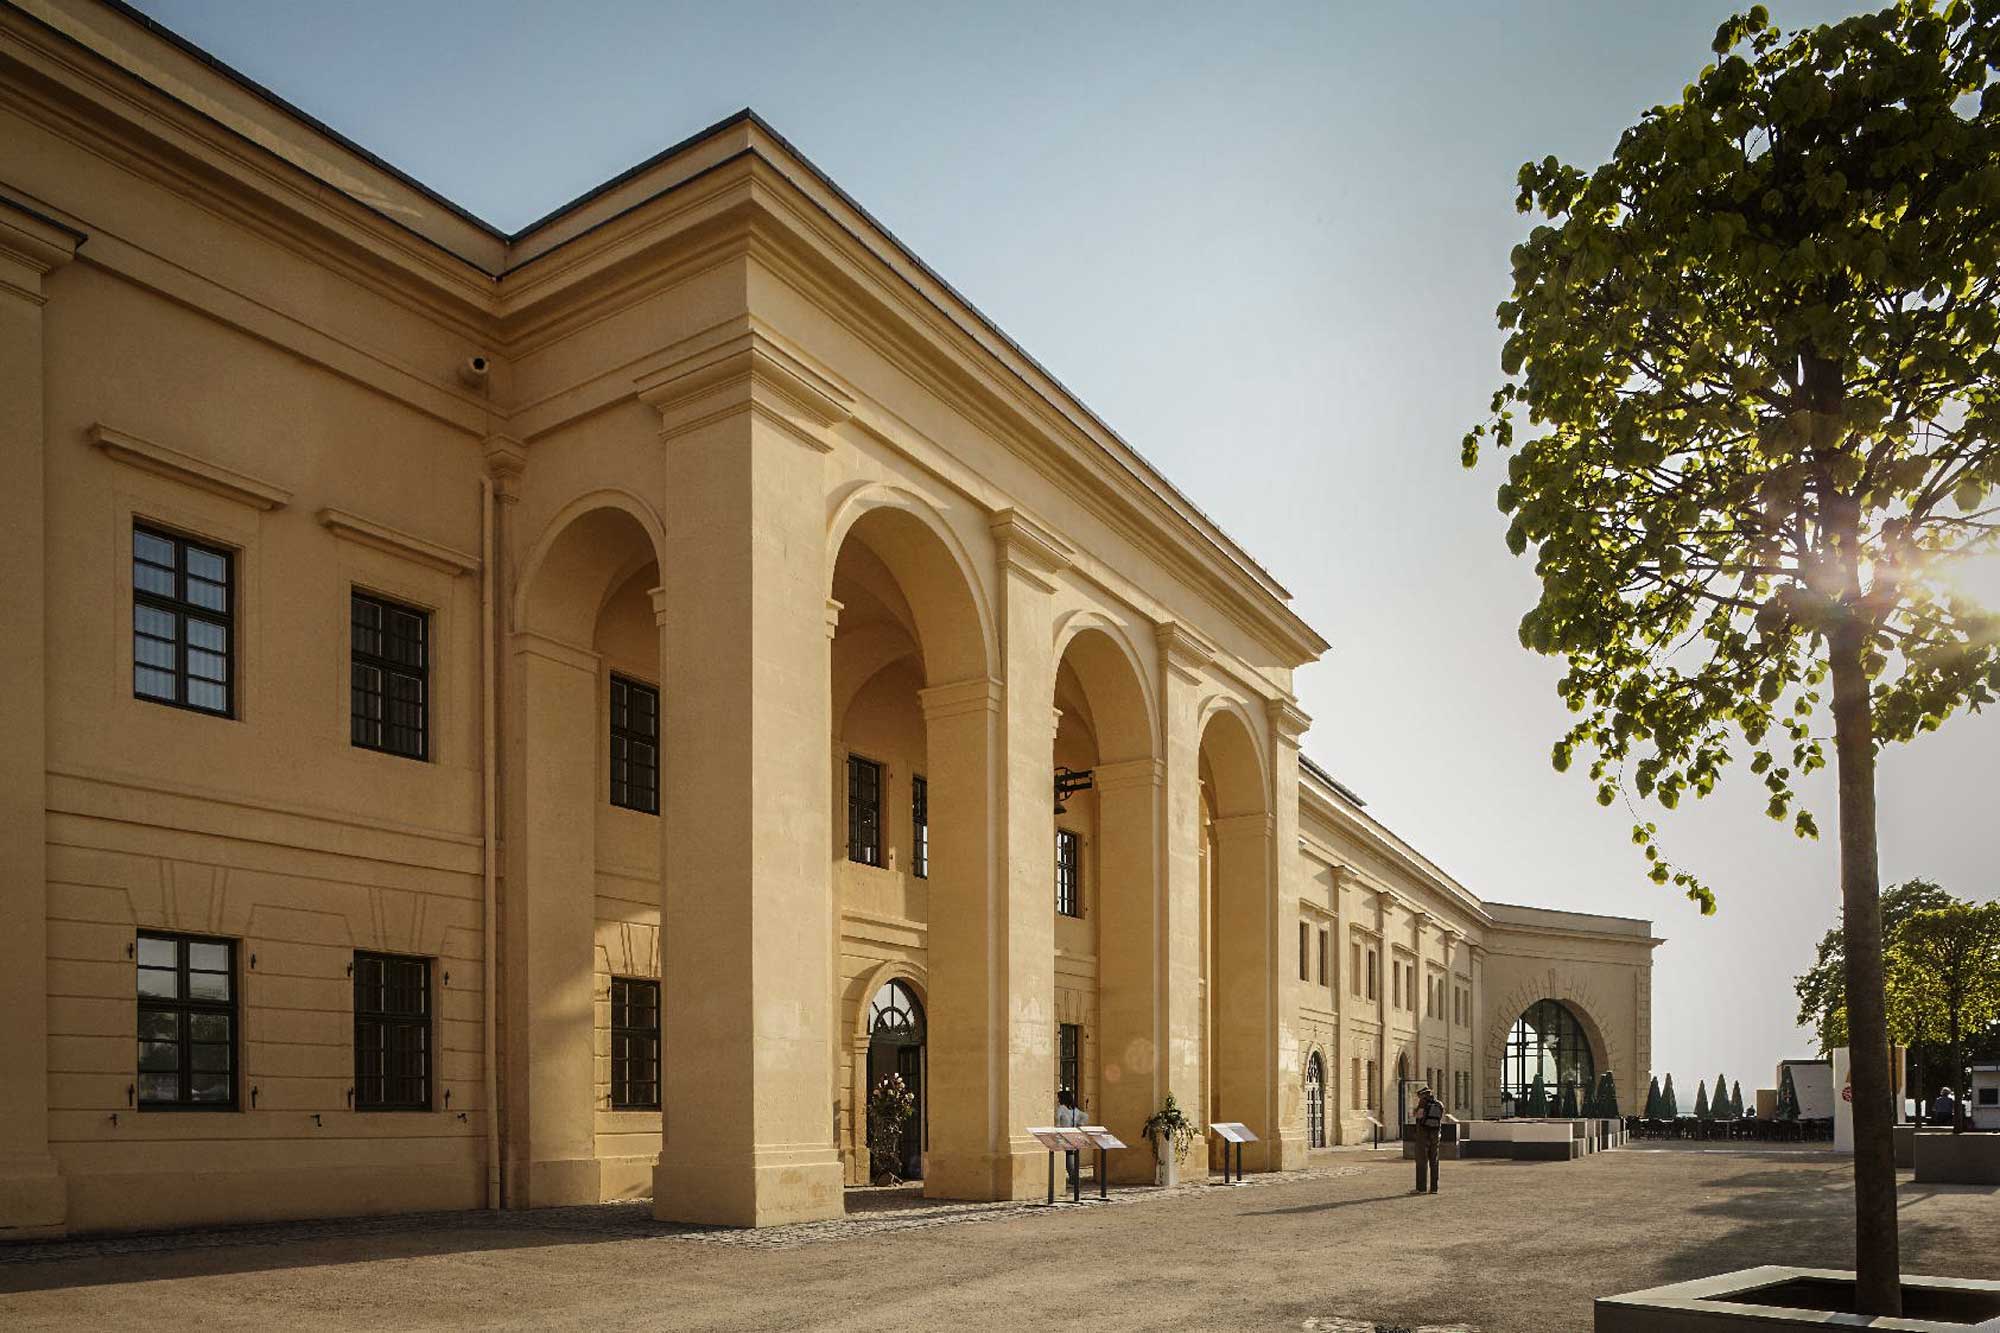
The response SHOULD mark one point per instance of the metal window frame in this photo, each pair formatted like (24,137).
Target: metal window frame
(623,1033)
(871,853)
(623,792)
(1069,873)
(920,826)
(389,667)
(181,609)
(1563,1035)
(1069,1059)
(183,1006)
(387,1019)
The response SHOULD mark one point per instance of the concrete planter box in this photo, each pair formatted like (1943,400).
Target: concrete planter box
(1945,1158)
(1774,1297)
(1448,1141)
(1524,1140)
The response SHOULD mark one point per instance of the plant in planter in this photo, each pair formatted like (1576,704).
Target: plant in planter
(1170,1125)
(890,1107)
(1654,1101)
(1607,1097)
(1670,1106)
(1538,1098)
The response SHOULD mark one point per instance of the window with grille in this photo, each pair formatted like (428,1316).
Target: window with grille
(1324,945)
(635,746)
(187,1023)
(1354,966)
(864,810)
(1069,872)
(1069,1060)
(920,828)
(1305,936)
(392,1033)
(1315,1101)
(635,1044)
(183,630)
(390,677)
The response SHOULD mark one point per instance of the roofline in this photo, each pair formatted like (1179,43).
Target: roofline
(1227,544)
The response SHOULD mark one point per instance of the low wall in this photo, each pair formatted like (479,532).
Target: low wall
(1956,1159)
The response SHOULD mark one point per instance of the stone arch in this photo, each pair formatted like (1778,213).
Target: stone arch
(946,598)
(896,969)
(1232,753)
(1580,1000)
(587,548)
(1116,682)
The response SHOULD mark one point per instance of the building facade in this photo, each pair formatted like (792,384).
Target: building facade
(524,720)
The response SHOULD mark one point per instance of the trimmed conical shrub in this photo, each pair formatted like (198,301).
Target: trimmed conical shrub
(1566,1104)
(1719,1107)
(1653,1099)
(1607,1098)
(1788,1096)
(1670,1107)
(1538,1097)
(1736,1100)
(1701,1111)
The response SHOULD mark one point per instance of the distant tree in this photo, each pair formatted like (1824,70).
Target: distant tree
(1607,1098)
(1538,1098)
(1654,1101)
(1757,352)
(1702,1110)
(1788,1096)
(1944,977)
(1566,1105)
(1670,1107)
(1718,1106)
(1822,988)
(1736,1100)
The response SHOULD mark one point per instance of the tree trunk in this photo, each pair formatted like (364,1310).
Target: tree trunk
(1877,1263)
(1957,1072)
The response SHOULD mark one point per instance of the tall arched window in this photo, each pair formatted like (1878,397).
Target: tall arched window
(896,1046)
(1315,1101)
(1546,1042)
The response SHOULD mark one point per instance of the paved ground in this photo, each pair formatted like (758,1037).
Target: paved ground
(1508,1248)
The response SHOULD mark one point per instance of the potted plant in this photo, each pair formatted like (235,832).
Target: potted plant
(890,1107)
(1171,1125)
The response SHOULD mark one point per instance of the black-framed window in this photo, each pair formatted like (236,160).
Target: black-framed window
(1315,1101)
(1069,872)
(183,623)
(1305,950)
(1325,945)
(390,677)
(187,1022)
(920,828)
(864,810)
(635,746)
(392,1032)
(1546,1046)
(1372,968)
(1069,1060)
(635,1044)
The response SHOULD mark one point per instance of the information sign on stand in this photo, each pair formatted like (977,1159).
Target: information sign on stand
(1233,1134)
(1101,1139)
(1059,1139)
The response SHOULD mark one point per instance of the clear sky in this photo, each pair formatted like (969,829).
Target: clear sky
(1264,242)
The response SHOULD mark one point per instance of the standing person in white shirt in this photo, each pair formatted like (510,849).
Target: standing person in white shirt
(1069,1116)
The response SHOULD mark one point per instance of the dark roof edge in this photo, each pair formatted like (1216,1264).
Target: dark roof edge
(1330,780)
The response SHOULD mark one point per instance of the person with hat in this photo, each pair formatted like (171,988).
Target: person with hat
(1429,1124)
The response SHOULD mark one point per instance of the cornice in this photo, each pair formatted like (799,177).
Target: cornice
(746,371)
(1287,718)
(980,694)
(1029,549)
(396,542)
(1185,653)
(31,247)
(187,469)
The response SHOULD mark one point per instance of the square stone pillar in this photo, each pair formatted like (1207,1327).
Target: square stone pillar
(548,941)
(1183,659)
(33,1201)
(747,990)
(1287,1151)
(1132,957)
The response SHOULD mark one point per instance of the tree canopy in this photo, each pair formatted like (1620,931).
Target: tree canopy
(1822,988)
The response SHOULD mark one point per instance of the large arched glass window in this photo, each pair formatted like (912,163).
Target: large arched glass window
(1315,1101)
(1546,1041)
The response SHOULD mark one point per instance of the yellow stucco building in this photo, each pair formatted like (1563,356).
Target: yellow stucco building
(518,720)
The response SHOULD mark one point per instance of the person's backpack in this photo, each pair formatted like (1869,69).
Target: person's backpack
(1431,1113)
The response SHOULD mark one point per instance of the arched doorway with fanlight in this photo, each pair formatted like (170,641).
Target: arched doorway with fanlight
(896,1046)
(1315,1101)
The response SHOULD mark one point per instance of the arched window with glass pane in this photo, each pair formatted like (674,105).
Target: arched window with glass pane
(1547,1043)
(1315,1101)
(896,1046)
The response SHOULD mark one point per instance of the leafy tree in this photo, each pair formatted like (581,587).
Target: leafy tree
(1736,1100)
(1756,352)
(1654,1102)
(1822,988)
(1701,1107)
(1788,1096)
(1670,1107)
(1944,977)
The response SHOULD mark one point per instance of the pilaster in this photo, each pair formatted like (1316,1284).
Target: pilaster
(33,1199)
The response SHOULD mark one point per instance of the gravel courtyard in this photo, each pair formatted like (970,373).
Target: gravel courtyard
(1507,1248)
